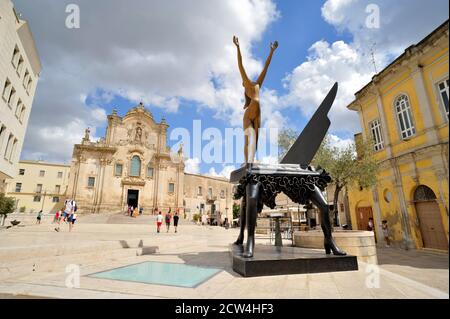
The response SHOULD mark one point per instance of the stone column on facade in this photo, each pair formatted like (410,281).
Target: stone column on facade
(96,187)
(378,219)
(80,159)
(398,185)
(442,181)
(103,163)
(424,103)
(156,183)
(177,188)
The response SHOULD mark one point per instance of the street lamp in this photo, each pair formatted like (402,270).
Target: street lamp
(43,199)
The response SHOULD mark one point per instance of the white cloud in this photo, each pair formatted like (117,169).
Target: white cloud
(340,143)
(402,22)
(226,171)
(310,82)
(350,64)
(159,52)
(192,165)
(269,160)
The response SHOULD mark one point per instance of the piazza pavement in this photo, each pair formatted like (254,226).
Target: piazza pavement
(33,261)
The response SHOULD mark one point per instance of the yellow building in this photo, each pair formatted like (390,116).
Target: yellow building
(404,109)
(39,185)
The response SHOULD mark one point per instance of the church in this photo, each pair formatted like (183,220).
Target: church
(133,165)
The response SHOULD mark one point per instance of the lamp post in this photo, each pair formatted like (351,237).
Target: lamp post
(43,200)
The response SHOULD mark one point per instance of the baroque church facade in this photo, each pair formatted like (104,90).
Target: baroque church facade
(133,165)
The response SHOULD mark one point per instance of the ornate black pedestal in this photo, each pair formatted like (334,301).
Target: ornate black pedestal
(259,184)
(273,260)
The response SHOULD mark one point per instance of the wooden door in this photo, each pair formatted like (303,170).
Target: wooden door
(433,234)
(363,214)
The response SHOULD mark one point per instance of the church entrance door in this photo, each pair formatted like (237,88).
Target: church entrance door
(133,197)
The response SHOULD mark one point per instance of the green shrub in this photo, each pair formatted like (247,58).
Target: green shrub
(7,205)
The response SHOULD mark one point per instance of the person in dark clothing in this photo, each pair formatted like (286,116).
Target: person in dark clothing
(176,217)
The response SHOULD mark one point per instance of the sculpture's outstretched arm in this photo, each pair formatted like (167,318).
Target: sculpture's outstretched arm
(273,47)
(246,81)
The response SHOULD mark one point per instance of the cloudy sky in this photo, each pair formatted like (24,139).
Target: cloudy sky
(178,58)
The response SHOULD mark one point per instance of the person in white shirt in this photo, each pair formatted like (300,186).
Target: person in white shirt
(159,220)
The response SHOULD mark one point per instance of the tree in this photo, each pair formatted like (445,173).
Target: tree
(349,165)
(236,211)
(286,138)
(6,207)
(353,164)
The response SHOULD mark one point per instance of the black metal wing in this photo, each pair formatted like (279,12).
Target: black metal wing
(305,147)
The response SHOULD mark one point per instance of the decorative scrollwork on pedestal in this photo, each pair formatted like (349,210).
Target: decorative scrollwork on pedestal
(298,188)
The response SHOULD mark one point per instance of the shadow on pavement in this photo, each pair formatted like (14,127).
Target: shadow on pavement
(413,258)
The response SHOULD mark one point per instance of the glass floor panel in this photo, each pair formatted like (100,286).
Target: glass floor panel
(159,273)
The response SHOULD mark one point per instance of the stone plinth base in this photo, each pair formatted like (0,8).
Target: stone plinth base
(271,261)
(357,243)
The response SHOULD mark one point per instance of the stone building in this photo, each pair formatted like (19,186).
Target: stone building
(39,185)
(405,111)
(208,195)
(133,165)
(19,72)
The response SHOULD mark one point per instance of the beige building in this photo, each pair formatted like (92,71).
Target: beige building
(208,195)
(133,165)
(19,72)
(39,185)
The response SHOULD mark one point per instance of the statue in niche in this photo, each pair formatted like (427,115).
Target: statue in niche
(138,136)
(180,150)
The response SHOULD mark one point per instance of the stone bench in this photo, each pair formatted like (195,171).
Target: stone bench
(357,243)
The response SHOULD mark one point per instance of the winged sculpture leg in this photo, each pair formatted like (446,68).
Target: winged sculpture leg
(329,244)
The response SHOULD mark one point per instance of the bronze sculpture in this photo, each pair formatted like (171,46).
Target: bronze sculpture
(259,184)
(252,115)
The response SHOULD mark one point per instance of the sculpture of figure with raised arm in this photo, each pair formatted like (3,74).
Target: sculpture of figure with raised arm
(252,115)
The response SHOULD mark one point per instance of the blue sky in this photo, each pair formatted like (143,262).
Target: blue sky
(178,58)
(295,40)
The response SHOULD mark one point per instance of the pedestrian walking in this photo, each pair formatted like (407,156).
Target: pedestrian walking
(39,217)
(159,220)
(70,207)
(73,220)
(168,219)
(56,217)
(176,217)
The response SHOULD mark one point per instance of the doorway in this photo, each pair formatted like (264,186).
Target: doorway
(133,197)
(362,215)
(431,228)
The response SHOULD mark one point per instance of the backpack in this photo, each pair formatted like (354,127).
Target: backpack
(74,206)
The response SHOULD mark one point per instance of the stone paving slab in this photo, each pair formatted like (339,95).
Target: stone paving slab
(412,274)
